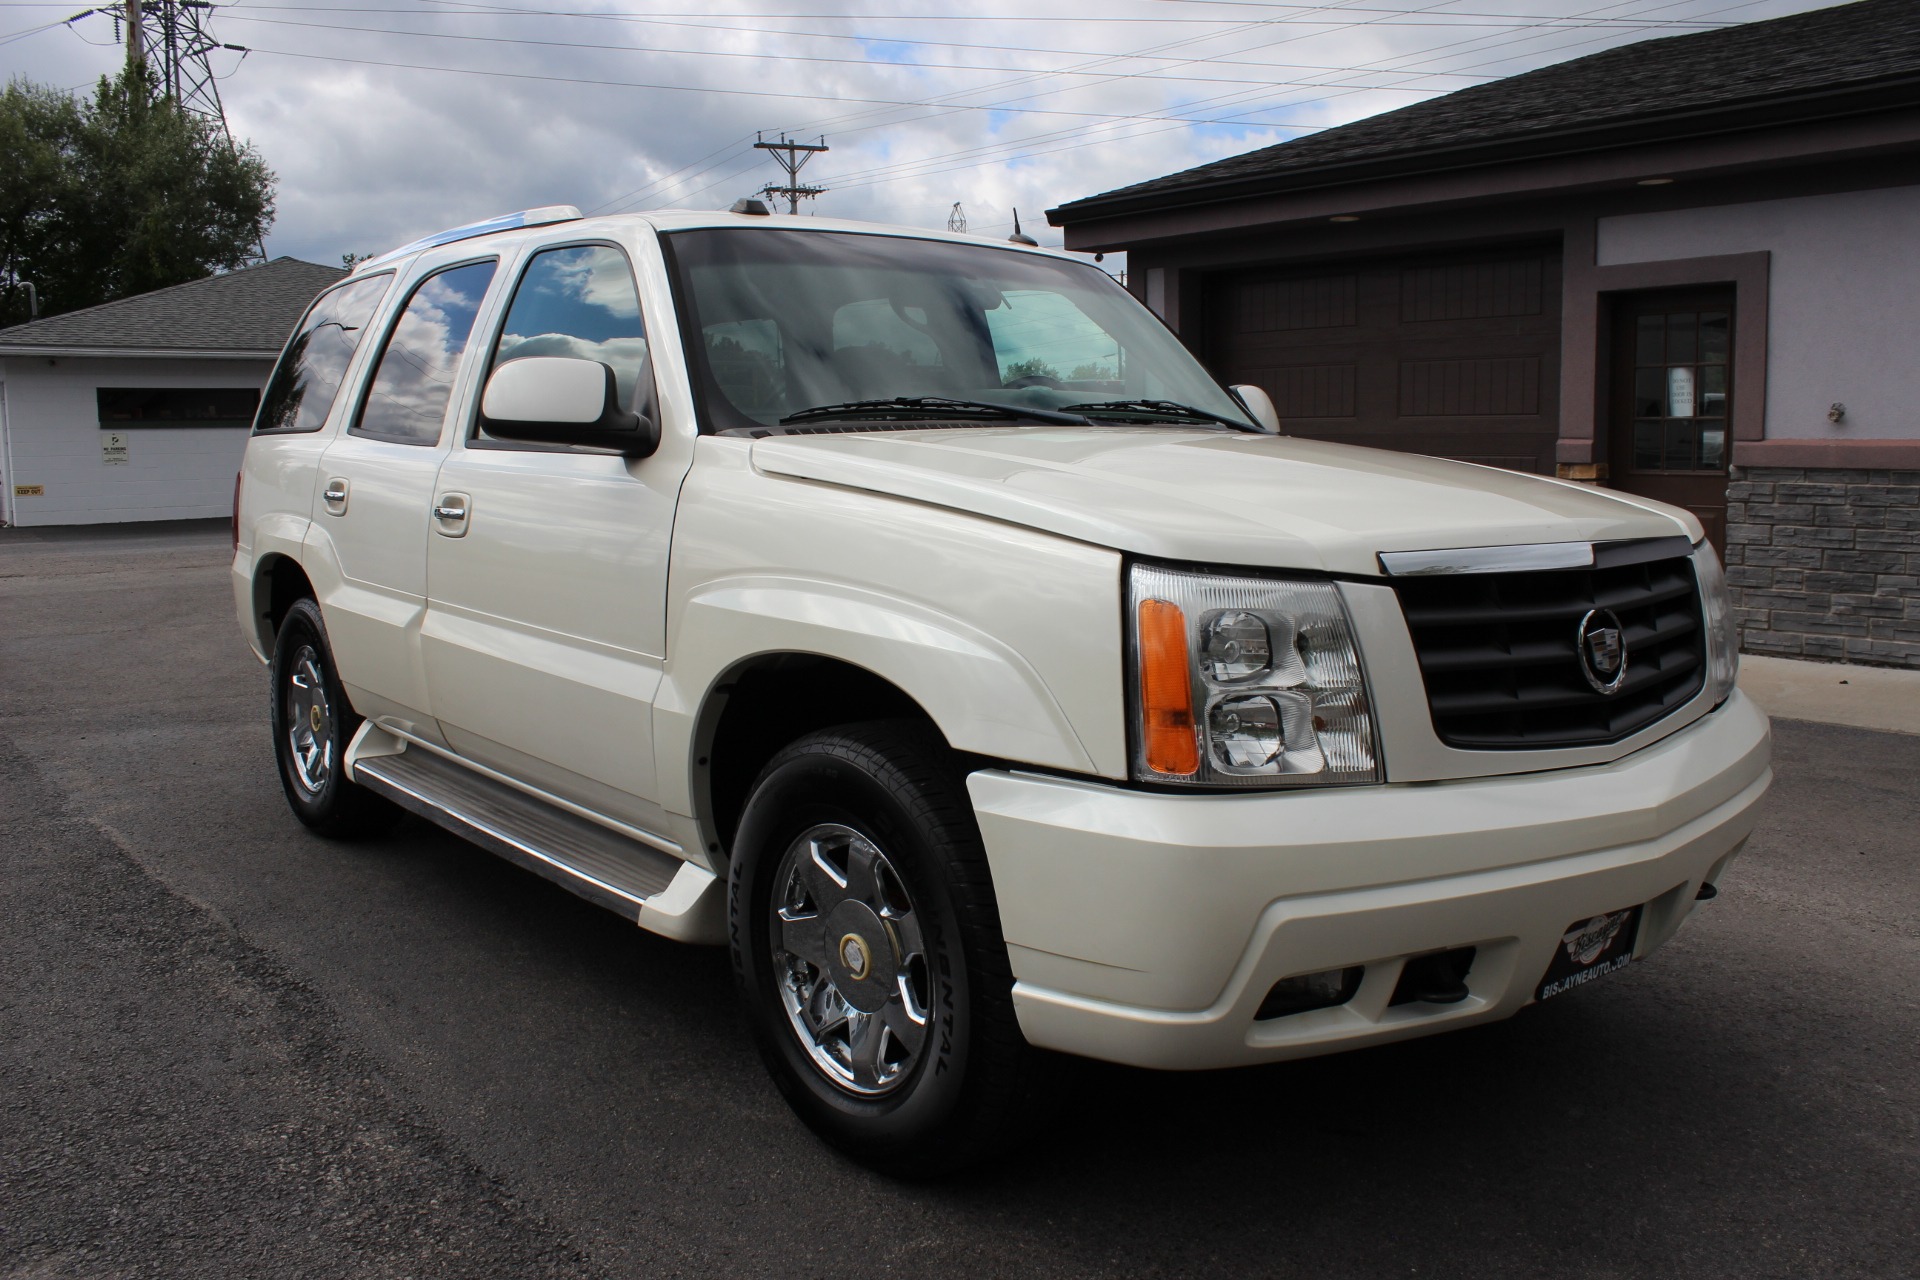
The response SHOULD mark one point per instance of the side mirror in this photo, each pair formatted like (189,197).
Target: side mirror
(1260,405)
(563,400)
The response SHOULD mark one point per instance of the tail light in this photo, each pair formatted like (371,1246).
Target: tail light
(237,476)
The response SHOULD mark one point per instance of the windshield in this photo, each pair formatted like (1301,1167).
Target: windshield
(781,322)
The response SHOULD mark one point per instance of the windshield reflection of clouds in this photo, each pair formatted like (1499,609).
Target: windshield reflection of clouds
(408,398)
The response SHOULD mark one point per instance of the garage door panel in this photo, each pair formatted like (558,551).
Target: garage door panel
(1483,386)
(1312,391)
(1458,291)
(1292,304)
(1455,355)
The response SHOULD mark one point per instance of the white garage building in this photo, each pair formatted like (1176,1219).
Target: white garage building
(138,409)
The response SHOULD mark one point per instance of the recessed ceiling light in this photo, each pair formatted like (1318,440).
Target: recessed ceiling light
(1656,182)
(1344,217)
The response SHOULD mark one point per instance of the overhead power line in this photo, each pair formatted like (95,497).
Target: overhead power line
(1188,113)
(451,7)
(1000,153)
(655,51)
(1163,61)
(681,88)
(1009,151)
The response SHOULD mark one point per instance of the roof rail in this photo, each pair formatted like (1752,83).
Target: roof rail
(505,222)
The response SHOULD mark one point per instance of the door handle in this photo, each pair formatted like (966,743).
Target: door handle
(450,514)
(335,496)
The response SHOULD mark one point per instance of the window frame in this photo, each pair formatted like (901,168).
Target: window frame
(372,369)
(346,375)
(472,438)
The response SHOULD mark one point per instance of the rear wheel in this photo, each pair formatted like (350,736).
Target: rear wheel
(867,945)
(312,725)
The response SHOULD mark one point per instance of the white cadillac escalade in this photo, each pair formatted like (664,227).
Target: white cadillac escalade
(913,615)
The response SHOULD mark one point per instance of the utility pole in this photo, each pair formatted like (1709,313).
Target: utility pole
(792,157)
(136,37)
(957,220)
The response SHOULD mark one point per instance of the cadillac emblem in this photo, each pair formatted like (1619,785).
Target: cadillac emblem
(1602,648)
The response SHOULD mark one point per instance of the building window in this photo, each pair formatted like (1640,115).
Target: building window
(124,407)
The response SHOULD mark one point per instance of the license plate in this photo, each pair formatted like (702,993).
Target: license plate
(1592,948)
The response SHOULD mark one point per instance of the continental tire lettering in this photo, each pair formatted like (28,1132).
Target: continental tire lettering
(945,969)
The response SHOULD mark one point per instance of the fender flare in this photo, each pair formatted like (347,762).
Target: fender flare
(981,694)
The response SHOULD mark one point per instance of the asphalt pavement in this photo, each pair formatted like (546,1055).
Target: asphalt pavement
(229,1048)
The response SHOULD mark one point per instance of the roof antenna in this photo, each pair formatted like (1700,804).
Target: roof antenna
(1019,236)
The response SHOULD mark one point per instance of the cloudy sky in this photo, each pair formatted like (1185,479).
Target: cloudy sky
(386,119)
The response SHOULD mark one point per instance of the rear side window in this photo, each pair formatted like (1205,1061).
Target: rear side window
(308,376)
(407,400)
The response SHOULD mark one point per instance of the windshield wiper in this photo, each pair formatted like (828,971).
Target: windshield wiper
(931,406)
(1165,409)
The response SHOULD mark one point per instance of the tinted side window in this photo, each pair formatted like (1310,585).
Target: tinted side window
(308,376)
(581,301)
(407,400)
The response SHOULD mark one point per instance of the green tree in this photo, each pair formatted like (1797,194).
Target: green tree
(119,194)
(1033,368)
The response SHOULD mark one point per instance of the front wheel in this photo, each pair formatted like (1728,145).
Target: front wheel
(867,946)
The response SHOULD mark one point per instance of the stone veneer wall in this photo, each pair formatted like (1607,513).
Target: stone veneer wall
(1826,563)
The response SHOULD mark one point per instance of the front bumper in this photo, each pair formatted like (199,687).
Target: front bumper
(1147,928)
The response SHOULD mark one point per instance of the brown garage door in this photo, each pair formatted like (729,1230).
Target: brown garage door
(1457,356)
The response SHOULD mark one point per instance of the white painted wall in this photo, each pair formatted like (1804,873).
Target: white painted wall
(1843,313)
(53,438)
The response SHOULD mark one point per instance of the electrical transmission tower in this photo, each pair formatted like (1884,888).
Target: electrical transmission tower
(170,40)
(792,157)
(957,220)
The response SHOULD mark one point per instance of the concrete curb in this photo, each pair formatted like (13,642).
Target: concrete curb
(1885,698)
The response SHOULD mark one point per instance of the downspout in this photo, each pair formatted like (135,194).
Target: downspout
(6,454)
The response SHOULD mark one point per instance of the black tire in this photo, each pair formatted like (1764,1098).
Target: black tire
(313,777)
(966,1092)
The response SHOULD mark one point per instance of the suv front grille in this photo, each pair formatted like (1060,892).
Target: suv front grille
(1499,651)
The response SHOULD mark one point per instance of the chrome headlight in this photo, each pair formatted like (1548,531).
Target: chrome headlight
(1723,632)
(1245,682)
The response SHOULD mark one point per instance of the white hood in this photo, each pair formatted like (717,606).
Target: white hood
(1212,497)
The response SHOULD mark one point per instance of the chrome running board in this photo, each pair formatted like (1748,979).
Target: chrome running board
(601,865)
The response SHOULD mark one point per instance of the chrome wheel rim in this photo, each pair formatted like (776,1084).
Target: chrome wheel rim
(849,960)
(309,722)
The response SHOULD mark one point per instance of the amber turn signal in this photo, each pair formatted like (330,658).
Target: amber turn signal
(1166,690)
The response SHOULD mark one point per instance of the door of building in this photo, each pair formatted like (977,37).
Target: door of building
(1669,422)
